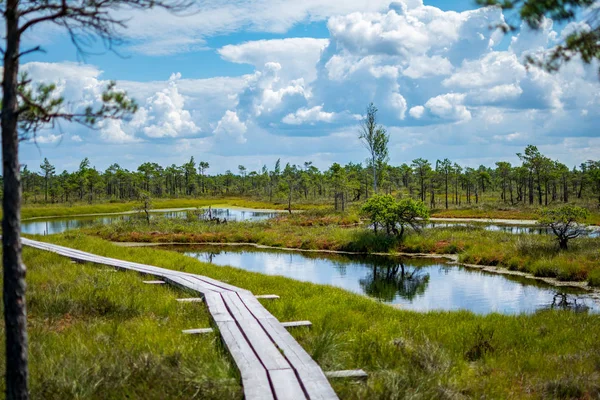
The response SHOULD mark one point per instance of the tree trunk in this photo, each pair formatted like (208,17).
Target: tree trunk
(446,191)
(539,189)
(15,314)
(374,176)
(530,188)
(562,243)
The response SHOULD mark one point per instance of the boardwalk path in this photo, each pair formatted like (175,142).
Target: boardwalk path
(271,363)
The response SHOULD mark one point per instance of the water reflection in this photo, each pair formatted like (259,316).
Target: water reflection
(562,301)
(514,229)
(59,225)
(412,283)
(386,282)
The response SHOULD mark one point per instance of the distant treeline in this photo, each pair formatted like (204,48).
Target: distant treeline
(537,180)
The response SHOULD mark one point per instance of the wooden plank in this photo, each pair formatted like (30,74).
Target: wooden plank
(201,284)
(88,257)
(187,283)
(266,355)
(295,324)
(217,308)
(254,306)
(267,296)
(154,282)
(191,300)
(312,377)
(285,385)
(219,284)
(347,374)
(254,377)
(262,345)
(197,331)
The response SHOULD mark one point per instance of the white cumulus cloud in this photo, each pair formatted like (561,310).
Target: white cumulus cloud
(449,106)
(231,127)
(310,115)
(166,115)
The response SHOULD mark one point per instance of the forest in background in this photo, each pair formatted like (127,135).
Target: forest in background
(538,180)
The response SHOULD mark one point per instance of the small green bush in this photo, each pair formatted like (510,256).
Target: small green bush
(594,278)
(545,268)
(512,264)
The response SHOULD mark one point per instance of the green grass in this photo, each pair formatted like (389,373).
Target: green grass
(94,337)
(56,210)
(499,210)
(536,254)
(99,334)
(491,208)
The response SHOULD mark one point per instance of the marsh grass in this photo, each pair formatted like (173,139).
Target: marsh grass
(536,254)
(134,346)
(494,209)
(100,334)
(491,208)
(61,209)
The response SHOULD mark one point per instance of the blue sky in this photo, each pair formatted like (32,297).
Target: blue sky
(248,81)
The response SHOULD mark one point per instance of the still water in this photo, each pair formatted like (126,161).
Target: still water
(514,229)
(412,283)
(59,225)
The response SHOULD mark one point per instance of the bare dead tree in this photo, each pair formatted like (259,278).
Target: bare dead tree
(26,109)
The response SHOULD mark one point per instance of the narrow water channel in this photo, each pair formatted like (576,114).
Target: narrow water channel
(52,226)
(411,283)
(514,229)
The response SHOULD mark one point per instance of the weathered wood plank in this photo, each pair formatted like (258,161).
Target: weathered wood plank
(267,296)
(262,345)
(267,356)
(286,385)
(347,374)
(199,283)
(312,377)
(191,300)
(253,305)
(197,331)
(220,284)
(254,377)
(295,324)
(187,283)
(88,257)
(217,308)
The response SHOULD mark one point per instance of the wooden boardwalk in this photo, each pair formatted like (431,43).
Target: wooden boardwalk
(272,364)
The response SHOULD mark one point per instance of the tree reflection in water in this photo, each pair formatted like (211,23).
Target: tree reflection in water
(209,256)
(562,301)
(385,282)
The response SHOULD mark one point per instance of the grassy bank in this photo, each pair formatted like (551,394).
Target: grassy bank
(537,254)
(500,211)
(495,210)
(97,334)
(54,210)
(88,329)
